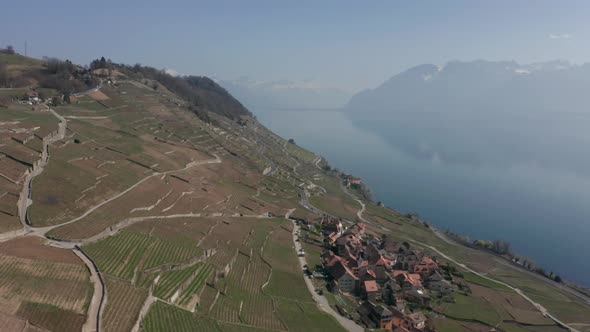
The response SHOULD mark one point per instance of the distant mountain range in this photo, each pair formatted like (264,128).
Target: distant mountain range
(481,85)
(285,94)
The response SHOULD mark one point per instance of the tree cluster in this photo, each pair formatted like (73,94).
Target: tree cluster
(498,246)
(200,91)
(8,50)
(65,77)
(3,75)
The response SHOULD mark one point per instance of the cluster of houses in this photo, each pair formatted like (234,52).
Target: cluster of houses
(30,98)
(387,277)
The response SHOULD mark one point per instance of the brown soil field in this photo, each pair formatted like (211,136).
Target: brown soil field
(454,325)
(33,248)
(123,305)
(19,151)
(64,285)
(231,231)
(171,229)
(9,223)
(10,323)
(13,170)
(51,317)
(98,95)
(510,305)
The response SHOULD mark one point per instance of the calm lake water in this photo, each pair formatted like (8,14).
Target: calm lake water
(541,206)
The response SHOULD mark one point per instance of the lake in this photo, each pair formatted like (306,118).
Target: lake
(526,182)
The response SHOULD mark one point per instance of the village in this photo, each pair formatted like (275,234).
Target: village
(392,283)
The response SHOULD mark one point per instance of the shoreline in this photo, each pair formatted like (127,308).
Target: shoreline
(565,284)
(528,229)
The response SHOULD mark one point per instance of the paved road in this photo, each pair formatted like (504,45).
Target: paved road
(94,309)
(89,91)
(321,300)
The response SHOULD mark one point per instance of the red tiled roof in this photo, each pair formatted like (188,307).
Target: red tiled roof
(371,286)
(381,261)
(338,270)
(331,259)
(412,278)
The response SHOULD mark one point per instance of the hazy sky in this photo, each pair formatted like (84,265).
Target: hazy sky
(346,44)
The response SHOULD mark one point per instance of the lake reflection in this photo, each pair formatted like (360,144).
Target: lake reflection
(526,180)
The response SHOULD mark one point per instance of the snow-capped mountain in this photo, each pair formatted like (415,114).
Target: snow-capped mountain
(481,85)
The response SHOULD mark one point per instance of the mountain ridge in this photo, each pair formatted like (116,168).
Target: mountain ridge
(480,84)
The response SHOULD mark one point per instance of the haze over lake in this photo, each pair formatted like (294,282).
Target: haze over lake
(521,178)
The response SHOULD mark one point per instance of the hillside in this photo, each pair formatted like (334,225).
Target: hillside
(201,92)
(143,205)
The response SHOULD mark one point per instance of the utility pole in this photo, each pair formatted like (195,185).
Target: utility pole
(25,48)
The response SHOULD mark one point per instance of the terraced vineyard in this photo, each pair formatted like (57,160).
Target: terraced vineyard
(194,288)
(123,305)
(121,255)
(163,317)
(191,278)
(59,284)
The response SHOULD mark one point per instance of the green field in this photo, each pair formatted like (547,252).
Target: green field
(121,254)
(203,274)
(473,278)
(170,281)
(164,318)
(467,307)
(306,317)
